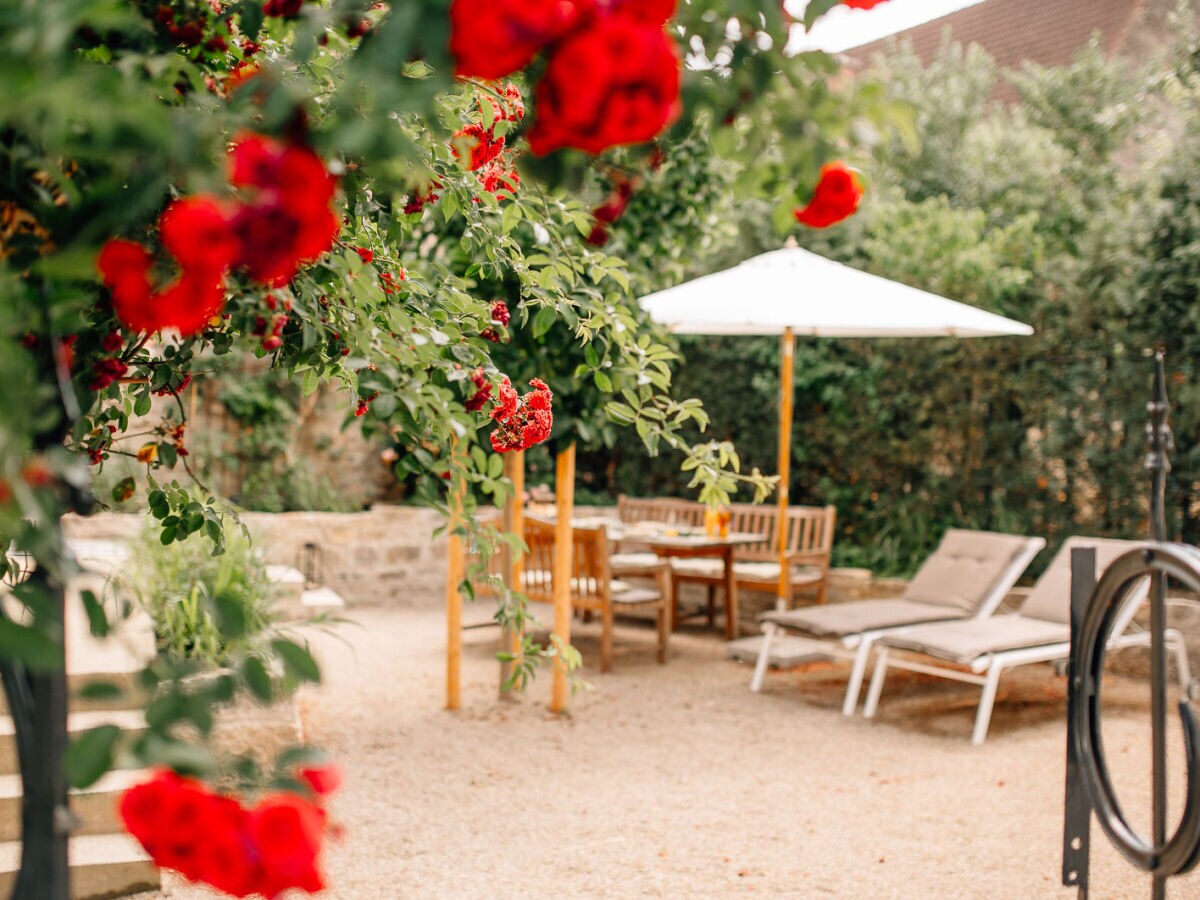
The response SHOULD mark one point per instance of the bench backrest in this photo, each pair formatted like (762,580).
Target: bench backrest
(669,510)
(809,532)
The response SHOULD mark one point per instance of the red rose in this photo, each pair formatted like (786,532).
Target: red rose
(323,780)
(495,179)
(125,269)
(835,198)
(493,38)
(190,302)
(614,83)
(499,312)
(651,12)
(861,4)
(480,144)
(523,423)
(286,830)
(289,220)
(196,231)
(286,8)
(364,254)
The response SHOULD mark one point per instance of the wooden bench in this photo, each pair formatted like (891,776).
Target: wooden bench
(593,589)
(809,545)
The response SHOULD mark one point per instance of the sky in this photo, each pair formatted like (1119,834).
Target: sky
(842,28)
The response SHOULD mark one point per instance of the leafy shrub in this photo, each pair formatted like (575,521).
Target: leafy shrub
(207,608)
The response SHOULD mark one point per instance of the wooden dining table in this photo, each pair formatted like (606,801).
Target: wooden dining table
(689,543)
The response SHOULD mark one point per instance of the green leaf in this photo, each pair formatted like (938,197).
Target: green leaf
(29,646)
(230,615)
(97,618)
(101,691)
(543,320)
(257,679)
(141,406)
(90,755)
(299,662)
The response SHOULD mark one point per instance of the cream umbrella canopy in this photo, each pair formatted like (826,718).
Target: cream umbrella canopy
(793,292)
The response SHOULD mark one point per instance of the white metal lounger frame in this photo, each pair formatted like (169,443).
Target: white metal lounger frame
(858,646)
(986,669)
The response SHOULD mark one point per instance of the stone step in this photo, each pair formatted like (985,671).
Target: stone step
(95,806)
(102,866)
(127,720)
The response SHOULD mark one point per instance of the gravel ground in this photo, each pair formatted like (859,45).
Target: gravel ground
(675,781)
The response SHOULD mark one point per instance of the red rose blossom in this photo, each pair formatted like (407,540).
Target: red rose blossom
(614,83)
(499,312)
(862,4)
(323,779)
(493,38)
(524,422)
(652,12)
(835,198)
(285,8)
(196,231)
(289,221)
(480,144)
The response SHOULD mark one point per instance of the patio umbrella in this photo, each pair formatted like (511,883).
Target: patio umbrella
(793,291)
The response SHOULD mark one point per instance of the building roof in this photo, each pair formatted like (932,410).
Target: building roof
(1046,32)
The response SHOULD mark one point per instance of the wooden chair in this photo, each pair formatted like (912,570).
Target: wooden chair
(593,590)
(809,546)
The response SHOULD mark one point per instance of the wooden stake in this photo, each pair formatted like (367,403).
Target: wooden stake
(511,639)
(455,566)
(787,349)
(564,489)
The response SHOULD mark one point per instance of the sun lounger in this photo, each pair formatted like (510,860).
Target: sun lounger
(979,650)
(967,576)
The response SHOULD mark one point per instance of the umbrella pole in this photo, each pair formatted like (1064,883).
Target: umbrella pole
(787,351)
(564,491)
(455,566)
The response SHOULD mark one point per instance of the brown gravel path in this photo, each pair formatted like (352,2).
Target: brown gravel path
(675,781)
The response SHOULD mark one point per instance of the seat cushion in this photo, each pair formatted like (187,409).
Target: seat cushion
(625,563)
(768,573)
(701,566)
(964,569)
(966,640)
(842,619)
(1050,599)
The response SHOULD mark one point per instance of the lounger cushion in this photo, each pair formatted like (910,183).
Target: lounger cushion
(964,569)
(965,640)
(840,619)
(1050,599)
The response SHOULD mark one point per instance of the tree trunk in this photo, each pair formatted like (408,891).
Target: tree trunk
(38,704)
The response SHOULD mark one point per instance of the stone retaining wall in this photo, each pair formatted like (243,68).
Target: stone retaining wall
(384,556)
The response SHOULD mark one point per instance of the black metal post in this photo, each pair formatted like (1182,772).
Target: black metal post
(1157,462)
(1078,820)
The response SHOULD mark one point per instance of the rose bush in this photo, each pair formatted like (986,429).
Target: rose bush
(184,182)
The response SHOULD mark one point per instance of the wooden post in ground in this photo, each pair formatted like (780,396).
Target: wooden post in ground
(511,639)
(787,349)
(455,565)
(564,490)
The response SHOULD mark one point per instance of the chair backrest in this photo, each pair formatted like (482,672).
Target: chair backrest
(1050,599)
(810,531)
(971,571)
(669,510)
(590,580)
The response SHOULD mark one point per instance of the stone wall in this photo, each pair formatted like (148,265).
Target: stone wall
(384,556)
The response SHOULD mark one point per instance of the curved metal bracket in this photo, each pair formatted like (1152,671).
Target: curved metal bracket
(1181,851)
